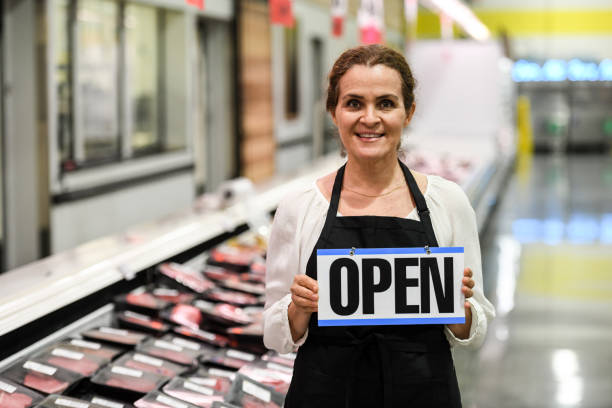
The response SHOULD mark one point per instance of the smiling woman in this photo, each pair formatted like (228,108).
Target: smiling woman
(373,201)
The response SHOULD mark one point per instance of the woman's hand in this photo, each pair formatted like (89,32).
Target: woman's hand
(304,302)
(462,331)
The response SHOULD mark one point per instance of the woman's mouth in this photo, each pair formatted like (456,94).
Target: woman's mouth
(369,135)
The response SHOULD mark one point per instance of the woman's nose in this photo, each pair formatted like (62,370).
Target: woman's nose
(370,116)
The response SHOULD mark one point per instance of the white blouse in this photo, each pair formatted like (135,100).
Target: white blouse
(296,228)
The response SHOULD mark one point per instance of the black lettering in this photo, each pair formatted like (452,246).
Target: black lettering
(444,297)
(402,282)
(369,287)
(335,286)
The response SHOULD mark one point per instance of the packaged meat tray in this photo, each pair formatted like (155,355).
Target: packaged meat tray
(228,358)
(42,377)
(91,348)
(218,404)
(223,313)
(183,315)
(62,401)
(106,402)
(184,277)
(211,338)
(256,289)
(115,336)
(173,296)
(172,348)
(143,323)
(149,364)
(124,383)
(13,395)
(191,392)
(283,359)
(158,399)
(141,302)
(238,259)
(271,374)
(217,273)
(248,393)
(82,363)
(230,296)
(212,377)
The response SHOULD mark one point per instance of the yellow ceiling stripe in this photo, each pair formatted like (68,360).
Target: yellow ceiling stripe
(530,22)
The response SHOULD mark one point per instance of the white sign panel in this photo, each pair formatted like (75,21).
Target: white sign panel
(387,286)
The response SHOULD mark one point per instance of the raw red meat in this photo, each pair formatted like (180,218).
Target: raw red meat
(186,315)
(208,337)
(137,365)
(44,383)
(145,300)
(186,277)
(201,400)
(232,313)
(15,400)
(235,298)
(173,295)
(252,402)
(170,355)
(134,384)
(83,366)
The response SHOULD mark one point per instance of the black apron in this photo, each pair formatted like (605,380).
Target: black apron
(373,366)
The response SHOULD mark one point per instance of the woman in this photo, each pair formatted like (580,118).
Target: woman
(371,100)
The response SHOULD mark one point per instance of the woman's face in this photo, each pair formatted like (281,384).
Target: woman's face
(370,114)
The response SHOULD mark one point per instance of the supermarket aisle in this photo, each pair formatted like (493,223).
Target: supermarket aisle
(547,259)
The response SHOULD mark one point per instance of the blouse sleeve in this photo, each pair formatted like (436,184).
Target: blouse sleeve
(463,232)
(281,267)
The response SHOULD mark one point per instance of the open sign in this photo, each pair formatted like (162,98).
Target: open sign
(385,286)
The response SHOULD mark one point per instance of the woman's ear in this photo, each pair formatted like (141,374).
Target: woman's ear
(410,112)
(332,113)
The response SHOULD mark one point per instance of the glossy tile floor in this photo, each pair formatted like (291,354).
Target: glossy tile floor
(547,262)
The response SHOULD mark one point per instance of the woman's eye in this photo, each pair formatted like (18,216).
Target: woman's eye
(386,104)
(353,103)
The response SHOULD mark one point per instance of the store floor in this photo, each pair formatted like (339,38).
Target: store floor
(547,262)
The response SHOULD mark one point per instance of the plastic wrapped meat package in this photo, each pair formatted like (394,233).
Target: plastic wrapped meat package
(232,297)
(184,277)
(72,360)
(217,273)
(106,402)
(91,348)
(13,395)
(173,295)
(228,358)
(256,289)
(42,377)
(203,336)
(62,401)
(191,392)
(283,359)
(172,348)
(158,399)
(126,383)
(140,322)
(248,393)
(141,301)
(215,378)
(184,315)
(271,374)
(150,364)
(234,257)
(115,336)
(223,313)
(218,404)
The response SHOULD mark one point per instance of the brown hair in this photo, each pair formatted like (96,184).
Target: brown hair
(370,55)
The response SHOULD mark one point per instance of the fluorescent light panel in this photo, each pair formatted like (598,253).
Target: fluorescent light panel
(461,15)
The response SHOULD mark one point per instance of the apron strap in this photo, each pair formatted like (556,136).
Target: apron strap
(421,206)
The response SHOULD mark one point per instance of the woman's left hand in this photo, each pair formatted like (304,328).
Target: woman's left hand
(462,330)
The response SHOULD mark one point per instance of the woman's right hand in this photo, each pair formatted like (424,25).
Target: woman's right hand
(304,302)
(305,294)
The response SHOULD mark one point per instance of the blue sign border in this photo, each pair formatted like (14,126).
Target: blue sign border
(399,320)
(390,251)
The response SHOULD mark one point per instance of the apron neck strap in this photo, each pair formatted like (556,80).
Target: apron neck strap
(334,201)
(421,205)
